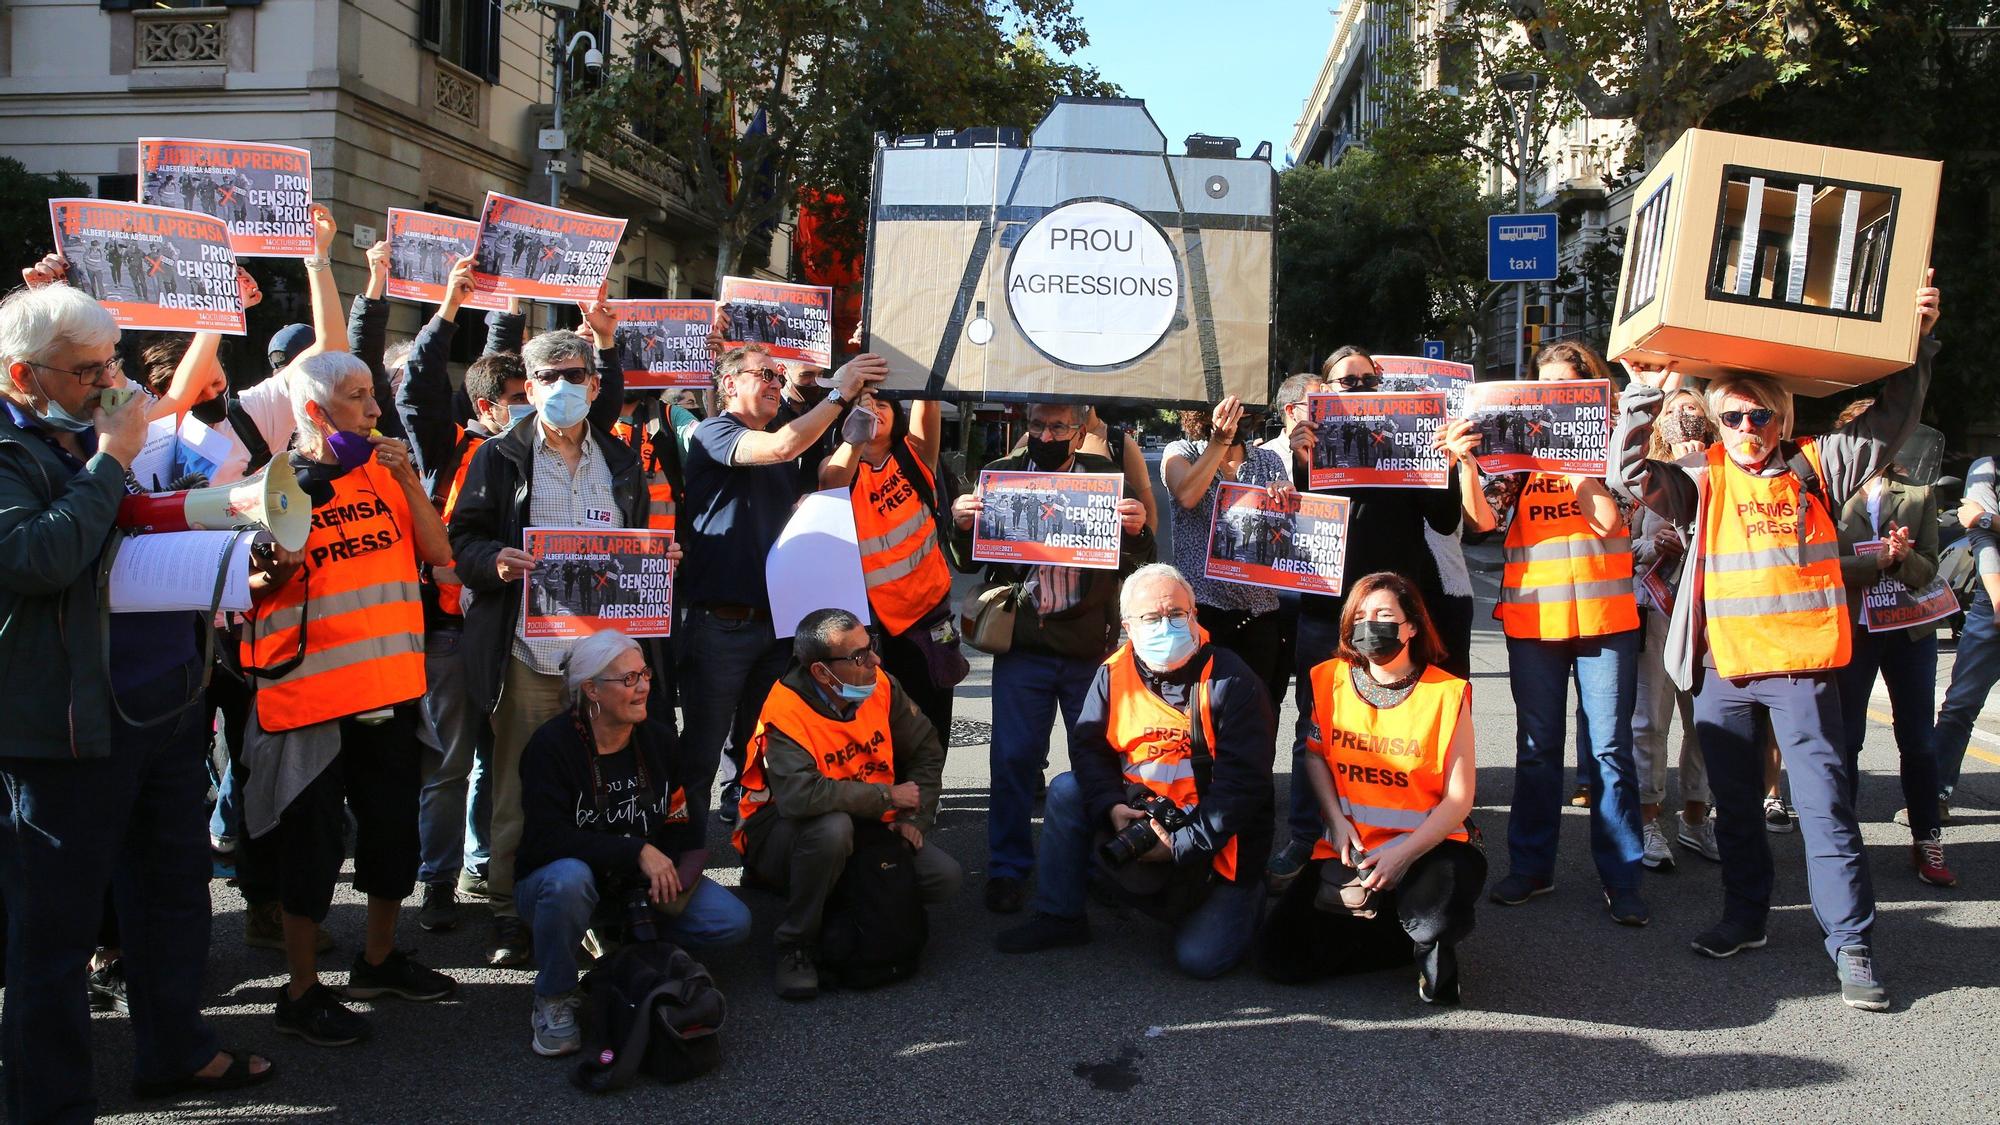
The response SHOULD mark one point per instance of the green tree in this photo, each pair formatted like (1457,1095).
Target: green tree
(24,210)
(788,94)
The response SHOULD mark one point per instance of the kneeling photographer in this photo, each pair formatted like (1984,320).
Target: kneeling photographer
(606,839)
(1170,789)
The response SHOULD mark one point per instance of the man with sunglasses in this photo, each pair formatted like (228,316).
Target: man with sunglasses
(742,484)
(837,744)
(1761,629)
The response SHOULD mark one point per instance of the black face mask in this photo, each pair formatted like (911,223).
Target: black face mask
(1047,456)
(1379,641)
(211,413)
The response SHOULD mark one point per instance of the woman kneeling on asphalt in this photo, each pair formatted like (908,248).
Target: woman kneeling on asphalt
(1391,762)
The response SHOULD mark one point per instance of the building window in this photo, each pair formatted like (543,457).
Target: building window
(158,5)
(465,33)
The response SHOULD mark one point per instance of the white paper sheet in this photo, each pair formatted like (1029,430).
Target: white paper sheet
(176,570)
(816,563)
(154,466)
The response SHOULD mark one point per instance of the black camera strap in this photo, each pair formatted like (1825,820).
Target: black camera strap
(1201,756)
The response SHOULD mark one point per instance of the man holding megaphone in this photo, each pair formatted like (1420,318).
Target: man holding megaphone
(92,797)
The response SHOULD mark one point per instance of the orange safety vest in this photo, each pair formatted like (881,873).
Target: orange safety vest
(859,749)
(1388,764)
(1562,581)
(659,490)
(900,561)
(1155,741)
(1770,575)
(349,622)
(451,595)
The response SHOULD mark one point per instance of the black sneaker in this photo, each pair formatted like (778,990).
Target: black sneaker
(1043,931)
(1726,939)
(397,975)
(732,798)
(107,988)
(511,945)
(1437,976)
(1627,908)
(1004,894)
(320,1018)
(1778,816)
(440,907)
(1517,889)
(1859,987)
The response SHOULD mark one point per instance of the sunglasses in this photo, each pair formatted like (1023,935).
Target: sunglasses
(1758,418)
(1364,383)
(550,376)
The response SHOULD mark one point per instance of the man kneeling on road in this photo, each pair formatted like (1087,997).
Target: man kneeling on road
(1170,781)
(838,740)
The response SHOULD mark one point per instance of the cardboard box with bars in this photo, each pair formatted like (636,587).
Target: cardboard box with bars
(1821,290)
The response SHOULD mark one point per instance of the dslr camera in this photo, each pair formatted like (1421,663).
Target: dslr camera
(1137,838)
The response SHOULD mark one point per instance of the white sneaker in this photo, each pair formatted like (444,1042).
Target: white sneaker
(1658,857)
(554,1021)
(1700,837)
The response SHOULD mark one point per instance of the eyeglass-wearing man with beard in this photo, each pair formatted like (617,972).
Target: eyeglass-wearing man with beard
(1065,624)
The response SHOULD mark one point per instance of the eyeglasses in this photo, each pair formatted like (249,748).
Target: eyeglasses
(1176,618)
(765,374)
(1362,383)
(1060,431)
(861,657)
(550,376)
(1758,418)
(90,373)
(629,679)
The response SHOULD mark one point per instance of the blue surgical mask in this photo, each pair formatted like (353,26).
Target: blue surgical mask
(1166,646)
(566,406)
(515,412)
(855,693)
(56,416)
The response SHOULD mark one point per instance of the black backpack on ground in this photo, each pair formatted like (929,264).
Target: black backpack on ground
(648,1007)
(875,927)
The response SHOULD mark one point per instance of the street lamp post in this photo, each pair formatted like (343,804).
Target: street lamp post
(554,141)
(1521,82)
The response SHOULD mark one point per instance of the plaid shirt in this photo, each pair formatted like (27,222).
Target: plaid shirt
(559,498)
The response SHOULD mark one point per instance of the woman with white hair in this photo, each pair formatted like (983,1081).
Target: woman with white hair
(607,833)
(1761,627)
(334,649)
(93,797)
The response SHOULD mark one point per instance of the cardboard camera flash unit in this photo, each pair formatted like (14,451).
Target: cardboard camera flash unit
(1087,266)
(1821,293)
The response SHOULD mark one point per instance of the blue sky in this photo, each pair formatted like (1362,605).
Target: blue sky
(1241,70)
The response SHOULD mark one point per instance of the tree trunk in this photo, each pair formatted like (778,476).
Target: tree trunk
(727,247)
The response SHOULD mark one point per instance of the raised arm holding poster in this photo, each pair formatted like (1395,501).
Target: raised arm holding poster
(664,345)
(1298,545)
(1557,427)
(262,191)
(1053,519)
(540,252)
(794,321)
(1410,373)
(152,267)
(1377,441)
(422,249)
(587,580)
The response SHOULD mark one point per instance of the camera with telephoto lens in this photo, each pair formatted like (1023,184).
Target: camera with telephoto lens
(1137,838)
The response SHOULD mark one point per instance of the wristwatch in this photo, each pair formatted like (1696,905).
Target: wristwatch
(1985,521)
(834,398)
(317,264)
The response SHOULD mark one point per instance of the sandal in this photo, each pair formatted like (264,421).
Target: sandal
(238,1076)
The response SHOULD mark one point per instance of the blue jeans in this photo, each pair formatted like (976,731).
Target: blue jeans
(225,822)
(448,751)
(1209,941)
(726,669)
(68,828)
(1606,673)
(1027,689)
(558,899)
(1974,671)
(479,802)
(1318,637)
(1909,668)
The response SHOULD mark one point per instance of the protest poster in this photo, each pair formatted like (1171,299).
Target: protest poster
(422,249)
(1560,427)
(664,345)
(587,579)
(153,268)
(542,253)
(1889,605)
(794,321)
(1054,519)
(262,191)
(1298,544)
(1406,374)
(1377,441)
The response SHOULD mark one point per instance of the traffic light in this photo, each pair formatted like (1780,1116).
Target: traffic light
(1536,314)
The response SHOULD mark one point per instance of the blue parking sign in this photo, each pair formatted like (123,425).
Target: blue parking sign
(1433,349)
(1521,248)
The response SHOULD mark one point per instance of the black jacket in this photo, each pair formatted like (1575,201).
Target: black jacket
(557,793)
(1238,799)
(492,512)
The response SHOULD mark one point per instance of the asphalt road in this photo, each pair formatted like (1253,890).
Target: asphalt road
(1566,1016)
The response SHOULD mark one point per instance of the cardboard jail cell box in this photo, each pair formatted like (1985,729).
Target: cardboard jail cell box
(1784,259)
(1088,265)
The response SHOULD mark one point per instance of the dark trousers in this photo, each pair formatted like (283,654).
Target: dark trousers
(1317,637)
(133,820)
(378,775)
(1909,668)
(729,667)
(904,659)
(1431,907)
(1255,638)
(256,863)
(1732,718)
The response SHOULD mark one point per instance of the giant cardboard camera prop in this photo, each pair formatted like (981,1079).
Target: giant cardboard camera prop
(1086,266)
(1791,260)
